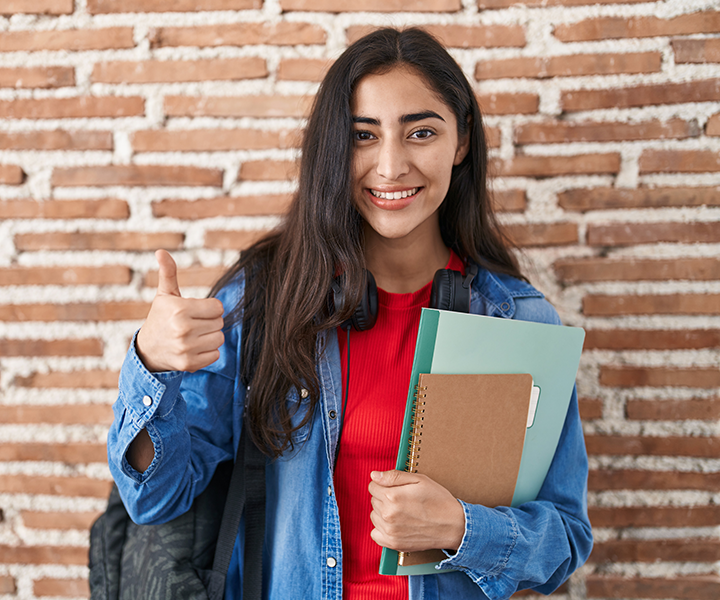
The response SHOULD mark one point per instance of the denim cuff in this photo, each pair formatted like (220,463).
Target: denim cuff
(486,547)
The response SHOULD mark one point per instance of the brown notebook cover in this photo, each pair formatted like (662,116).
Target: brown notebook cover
(468,434)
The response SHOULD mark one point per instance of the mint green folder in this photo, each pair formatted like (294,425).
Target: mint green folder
(452,342)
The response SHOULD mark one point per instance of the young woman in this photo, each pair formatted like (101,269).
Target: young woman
(393,180)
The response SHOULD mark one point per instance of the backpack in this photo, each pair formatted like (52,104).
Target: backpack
(188,557)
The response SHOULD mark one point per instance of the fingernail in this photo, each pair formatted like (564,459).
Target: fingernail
(375,475)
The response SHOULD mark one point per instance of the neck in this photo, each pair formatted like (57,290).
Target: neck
(406,265)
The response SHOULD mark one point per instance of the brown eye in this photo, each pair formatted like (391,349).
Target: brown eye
(422,134)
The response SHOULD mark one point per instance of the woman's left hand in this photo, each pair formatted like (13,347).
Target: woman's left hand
(411,512)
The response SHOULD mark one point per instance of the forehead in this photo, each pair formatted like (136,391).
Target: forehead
(394,93)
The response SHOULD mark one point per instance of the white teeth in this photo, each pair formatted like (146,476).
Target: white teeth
(394,195)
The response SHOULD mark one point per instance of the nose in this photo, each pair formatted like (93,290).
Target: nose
(392,159)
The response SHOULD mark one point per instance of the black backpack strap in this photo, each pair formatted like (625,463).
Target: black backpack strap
(247,492)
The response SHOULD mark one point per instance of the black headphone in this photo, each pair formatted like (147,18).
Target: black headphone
(450,291)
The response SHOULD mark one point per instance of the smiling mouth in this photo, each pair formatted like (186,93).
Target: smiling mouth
(394,195)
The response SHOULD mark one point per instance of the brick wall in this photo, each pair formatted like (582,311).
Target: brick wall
(128,125)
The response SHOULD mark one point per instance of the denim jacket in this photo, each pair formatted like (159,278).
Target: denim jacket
(195,420)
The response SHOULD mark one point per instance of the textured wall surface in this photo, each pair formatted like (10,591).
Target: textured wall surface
(128,125)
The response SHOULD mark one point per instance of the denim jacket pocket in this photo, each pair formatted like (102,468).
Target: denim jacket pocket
(298,404)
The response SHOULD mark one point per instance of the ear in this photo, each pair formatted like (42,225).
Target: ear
(463,145)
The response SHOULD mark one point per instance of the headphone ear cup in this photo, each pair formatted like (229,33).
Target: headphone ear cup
(448,293)
(366,313)
(442,291)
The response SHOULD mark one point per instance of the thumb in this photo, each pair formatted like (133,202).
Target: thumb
(167,276)
(392,478)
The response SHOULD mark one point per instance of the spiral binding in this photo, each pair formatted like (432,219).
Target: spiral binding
(418,416)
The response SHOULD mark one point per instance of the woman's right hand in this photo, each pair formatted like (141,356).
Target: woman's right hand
(179,334)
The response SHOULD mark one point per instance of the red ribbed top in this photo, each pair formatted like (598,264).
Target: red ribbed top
(380,366)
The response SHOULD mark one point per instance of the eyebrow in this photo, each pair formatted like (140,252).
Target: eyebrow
(410,118)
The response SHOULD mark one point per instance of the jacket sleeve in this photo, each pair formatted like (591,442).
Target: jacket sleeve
(189,418)
(540,543)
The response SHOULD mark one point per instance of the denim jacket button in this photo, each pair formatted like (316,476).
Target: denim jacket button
(331,562)
(147,400)
(332,414)
(505,306)
(304,393)
(329,491)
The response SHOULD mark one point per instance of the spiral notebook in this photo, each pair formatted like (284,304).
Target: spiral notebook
(459,343)
(478,420)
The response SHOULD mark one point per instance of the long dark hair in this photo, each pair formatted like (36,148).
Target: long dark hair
(287,274)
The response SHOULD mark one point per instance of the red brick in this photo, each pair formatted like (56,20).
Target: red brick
(7,585)
(238,106)
(506,103)
(645,339)
(509,200)
(168,71)
(67,452)
(655,516)
(73,108)
(659,377)
(664,304)
(41,7)
(713,125)
(621,479)
(560,132)
(61,587)
(339,6)
(37,77)
(191,277)
(693,587)
(59,520)
(213,140)
(604,28)
(64,209)
(108,38)
(64,414)
(55,486)
(461,36)
(67,347)
(136,175)
(493,137)
(629,234)
(11,175)
(43,555)
(707,90)
(553,166)
(679,161)
(612,198)
(675,550)
(56,140)
(633,269)
(696,51)
(66,275)
(303,69)
(543,234)
(106,240)
(490,4)
(615,445)
(227,206)
(268,170)
(568,66)
(143,6)
(700,409)
(85,311)
(590,408)
(232,240)
(239,34)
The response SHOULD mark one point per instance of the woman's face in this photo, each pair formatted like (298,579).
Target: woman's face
(405,145)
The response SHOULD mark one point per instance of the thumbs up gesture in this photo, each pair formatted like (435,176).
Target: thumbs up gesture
(179,334)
